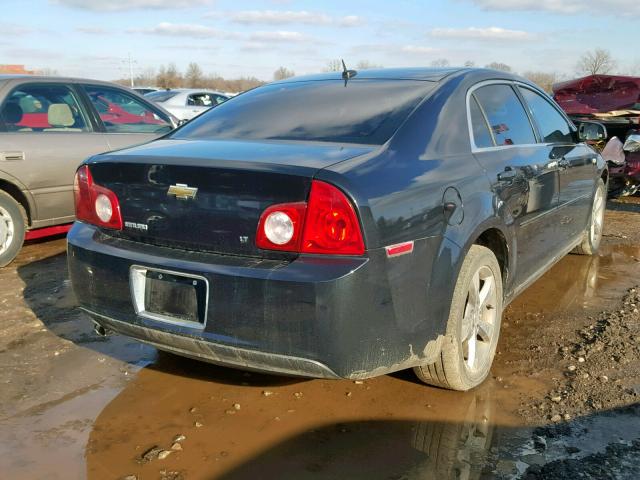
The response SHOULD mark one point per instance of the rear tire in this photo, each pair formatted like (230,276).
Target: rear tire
(593,234)
(473,327)
(12,228)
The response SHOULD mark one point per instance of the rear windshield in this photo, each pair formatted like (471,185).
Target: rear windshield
(160,96)
(362,111)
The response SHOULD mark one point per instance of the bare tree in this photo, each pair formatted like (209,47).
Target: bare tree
(469,64)
(282,72)
(46,72)
(169,77)
(440,62)
(333,66)
(146,78)
(543,79)
(599,61)
(194,76)
(499,66)
(365,64)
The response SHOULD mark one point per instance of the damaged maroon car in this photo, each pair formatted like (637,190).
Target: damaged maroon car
(613,101)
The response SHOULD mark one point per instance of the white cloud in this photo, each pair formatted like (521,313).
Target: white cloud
(286,17)
(9,29)
(181,30)
(591,7)
(276,17)
(418,49)
(351,21)
(278,36)
(121,5)
(92,30)
(474,33)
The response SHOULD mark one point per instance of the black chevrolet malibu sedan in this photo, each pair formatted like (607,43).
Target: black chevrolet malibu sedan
(339,225)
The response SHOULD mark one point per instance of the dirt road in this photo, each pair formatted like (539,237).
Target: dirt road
(563,397)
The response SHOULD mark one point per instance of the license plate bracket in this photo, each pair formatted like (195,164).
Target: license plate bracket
(169,296)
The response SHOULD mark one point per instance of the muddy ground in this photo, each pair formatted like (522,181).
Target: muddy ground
(563,400)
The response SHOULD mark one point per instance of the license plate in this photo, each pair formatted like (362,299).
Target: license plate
(170,296)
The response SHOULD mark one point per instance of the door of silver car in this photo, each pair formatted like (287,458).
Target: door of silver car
(47,133)
(127,120)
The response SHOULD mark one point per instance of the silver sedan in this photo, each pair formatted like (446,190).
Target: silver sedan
(186,103)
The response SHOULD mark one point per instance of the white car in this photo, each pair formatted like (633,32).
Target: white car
(186,103)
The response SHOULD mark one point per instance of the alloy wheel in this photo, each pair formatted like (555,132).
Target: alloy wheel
(7,230)
(597,217)
(479,320)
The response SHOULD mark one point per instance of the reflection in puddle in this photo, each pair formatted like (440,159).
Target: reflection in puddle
(388,427)
(583,282)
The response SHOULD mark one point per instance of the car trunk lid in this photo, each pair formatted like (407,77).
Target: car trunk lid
(209,195)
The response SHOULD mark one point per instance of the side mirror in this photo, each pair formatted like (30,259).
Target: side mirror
(182,122)
(591,131)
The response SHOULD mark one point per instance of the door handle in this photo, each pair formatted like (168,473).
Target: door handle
(508,174)
(11,156)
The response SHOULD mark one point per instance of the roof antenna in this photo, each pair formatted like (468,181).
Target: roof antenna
(347,74)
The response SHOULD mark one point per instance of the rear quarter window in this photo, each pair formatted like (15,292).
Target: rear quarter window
(552,125)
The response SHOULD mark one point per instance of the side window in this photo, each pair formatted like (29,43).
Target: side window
(200,100)
(553,127)
(218,99)
(124,113)
(507,117)
(481,134)
(43,108)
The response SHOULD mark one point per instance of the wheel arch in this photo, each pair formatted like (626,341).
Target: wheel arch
(497,237)
(494,239)
(19,196)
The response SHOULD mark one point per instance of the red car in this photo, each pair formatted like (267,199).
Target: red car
(615,102)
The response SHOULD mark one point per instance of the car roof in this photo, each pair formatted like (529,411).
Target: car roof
(428,74)
(191,90)
(41,78)
(432,74)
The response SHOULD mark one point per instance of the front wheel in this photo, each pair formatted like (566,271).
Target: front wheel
(12,228)
(593,235)
(473,326)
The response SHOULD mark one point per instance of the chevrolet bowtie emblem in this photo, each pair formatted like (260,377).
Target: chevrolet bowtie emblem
(182,191)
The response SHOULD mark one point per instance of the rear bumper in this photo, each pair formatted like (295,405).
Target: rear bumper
(348,317)
(217,353)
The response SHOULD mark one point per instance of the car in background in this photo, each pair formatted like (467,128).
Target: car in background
(145,90)
(304,229)
(48,126)
(186,103)
(614,101)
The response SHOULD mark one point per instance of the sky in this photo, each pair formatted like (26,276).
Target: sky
(233,38)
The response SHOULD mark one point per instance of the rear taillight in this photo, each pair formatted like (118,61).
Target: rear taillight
(326,224)
(280,227)
(95,204)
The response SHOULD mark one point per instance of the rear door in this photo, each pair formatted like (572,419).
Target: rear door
(125,118)
(576,163)
(521,174)
(47,133)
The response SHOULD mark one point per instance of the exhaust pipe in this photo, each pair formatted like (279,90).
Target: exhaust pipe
(100,330)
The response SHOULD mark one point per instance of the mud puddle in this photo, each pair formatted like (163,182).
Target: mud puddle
(94,409)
